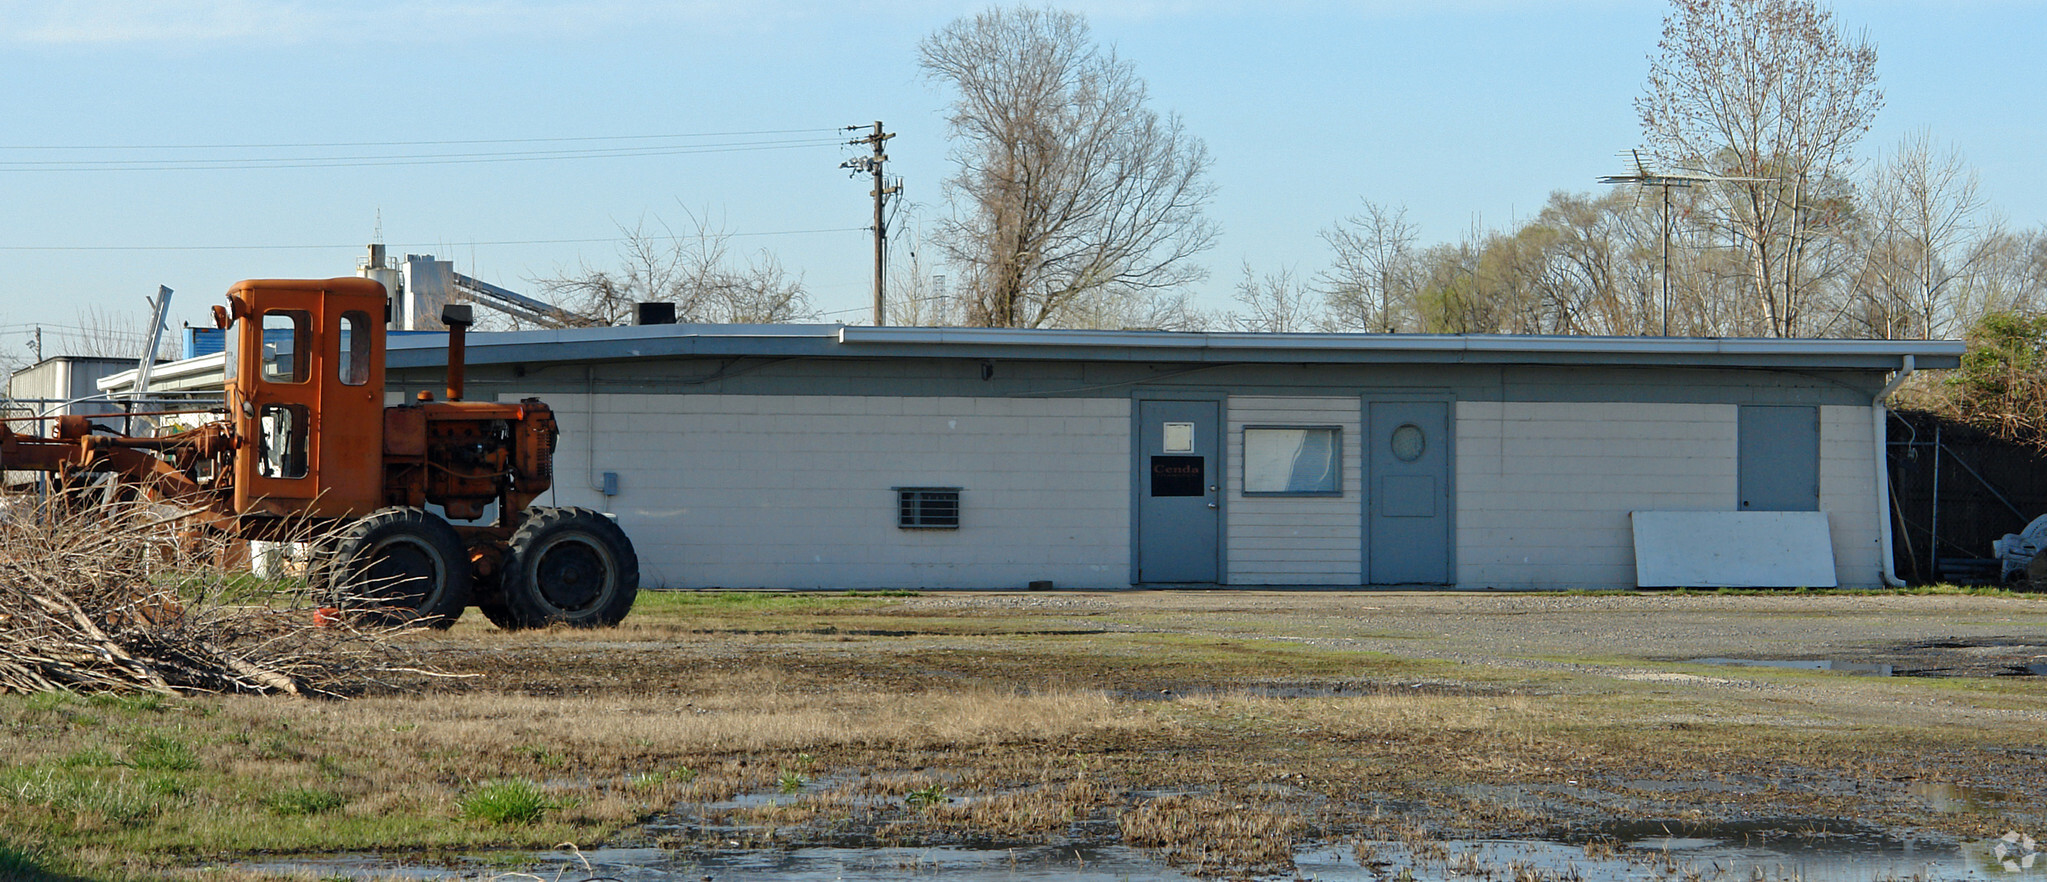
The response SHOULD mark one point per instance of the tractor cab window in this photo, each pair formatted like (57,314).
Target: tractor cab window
(287,335)
(232,344)
(353,366)
(282,441)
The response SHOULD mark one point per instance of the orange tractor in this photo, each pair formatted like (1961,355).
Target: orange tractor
(308,447)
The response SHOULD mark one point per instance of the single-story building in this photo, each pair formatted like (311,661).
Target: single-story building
(809,456)
(831,456)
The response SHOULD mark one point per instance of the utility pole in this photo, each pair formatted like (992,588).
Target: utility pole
(882,190)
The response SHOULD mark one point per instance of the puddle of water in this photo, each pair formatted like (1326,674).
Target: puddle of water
(1868,669)
(1691,857)
(1286,690)
(1953,798)
(1731,854)
(1080,863)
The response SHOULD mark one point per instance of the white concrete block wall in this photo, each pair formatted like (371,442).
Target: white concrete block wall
(1544,489)
(1848,494)
(796,491)
(1294,540)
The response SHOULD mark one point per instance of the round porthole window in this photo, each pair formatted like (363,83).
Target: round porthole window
(1408,443)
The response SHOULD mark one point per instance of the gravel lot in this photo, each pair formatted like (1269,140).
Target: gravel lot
(1919,635)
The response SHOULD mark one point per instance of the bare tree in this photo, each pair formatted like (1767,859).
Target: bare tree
(1371,284)
(1768,90)
(1277,304)
(97,332)
(1073,201)
(1928,244)
(918,293)
(692,270)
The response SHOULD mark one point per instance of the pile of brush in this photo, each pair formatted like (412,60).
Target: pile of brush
(130,596)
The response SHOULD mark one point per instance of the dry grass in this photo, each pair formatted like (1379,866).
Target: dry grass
(112,595)
(1210,837)
(754,718)
(920,735)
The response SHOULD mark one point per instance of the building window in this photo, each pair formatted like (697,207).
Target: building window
(1293,461)
(928,508)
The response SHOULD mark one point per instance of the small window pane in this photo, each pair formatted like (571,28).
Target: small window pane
(1409,443)
(1179,437)
(354,365)
(285,335)
(282,450)
(1293,461)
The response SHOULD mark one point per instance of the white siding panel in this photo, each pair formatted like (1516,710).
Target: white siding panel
(1294,540)
(1848,494)
(1544,489)
(796,491)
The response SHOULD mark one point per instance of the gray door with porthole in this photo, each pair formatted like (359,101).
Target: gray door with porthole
(1407,493)
(1179,503)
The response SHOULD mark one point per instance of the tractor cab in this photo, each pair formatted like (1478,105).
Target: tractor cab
(305,390)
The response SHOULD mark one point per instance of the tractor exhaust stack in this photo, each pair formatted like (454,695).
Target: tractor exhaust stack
(458,317)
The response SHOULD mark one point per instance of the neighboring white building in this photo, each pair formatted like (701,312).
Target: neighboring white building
(797,456)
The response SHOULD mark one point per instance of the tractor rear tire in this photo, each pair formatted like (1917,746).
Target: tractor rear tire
(571,566)
(401,566)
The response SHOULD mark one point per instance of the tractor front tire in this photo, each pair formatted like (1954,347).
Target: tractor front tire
(401,566)
(571,566)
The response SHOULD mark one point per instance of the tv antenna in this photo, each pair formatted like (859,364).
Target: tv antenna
(1643,176)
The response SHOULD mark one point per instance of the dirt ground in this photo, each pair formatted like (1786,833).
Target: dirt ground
(1221,731)
(1393,715)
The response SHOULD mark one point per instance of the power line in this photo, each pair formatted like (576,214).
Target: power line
(293,162)
(411,143)
(357,245)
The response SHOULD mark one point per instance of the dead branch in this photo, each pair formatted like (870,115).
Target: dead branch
(122,597)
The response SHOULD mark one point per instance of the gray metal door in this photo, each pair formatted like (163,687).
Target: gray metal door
(1179,474)
(1779,462)
(1407,493)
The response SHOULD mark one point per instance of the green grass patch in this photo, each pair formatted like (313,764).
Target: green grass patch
(926,797)
(1908,591)
(90,798)
(90,758)
(303,801)
(506,801)
(693,602)
(20,863)
(129,703)
(163,752)
(791,781)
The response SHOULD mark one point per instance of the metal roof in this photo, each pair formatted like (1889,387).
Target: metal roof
(851,341)
(856,341)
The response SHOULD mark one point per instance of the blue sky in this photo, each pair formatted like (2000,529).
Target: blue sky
(1466,111)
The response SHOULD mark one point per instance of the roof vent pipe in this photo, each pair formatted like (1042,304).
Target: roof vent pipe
(654,312)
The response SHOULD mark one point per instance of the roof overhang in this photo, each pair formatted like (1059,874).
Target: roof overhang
(848,341)
(1410,348)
